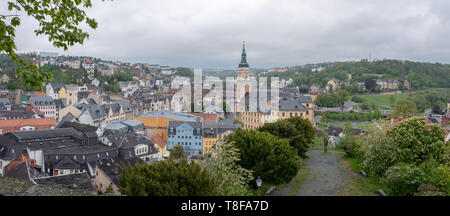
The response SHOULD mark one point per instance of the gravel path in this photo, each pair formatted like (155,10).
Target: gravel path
(325,176)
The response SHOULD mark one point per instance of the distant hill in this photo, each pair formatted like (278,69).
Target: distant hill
(420,75)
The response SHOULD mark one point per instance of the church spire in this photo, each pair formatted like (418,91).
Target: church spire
(243,57)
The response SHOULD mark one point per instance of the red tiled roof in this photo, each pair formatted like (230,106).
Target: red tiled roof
(17,123)
(206,116)
(18,160)
(158,140)
(39,93)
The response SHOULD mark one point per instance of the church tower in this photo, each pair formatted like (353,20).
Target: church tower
(243,71)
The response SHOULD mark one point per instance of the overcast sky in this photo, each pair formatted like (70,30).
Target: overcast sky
(209,33)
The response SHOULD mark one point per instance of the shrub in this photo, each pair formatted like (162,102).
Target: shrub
(268,156)
(437,175)
(418,142)
(357,99)
(428,190)
(379,153)
(403,179)
(352,147)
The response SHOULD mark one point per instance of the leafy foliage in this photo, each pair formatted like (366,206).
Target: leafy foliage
(177,153)
(185,72)
(299,131)
(231,178)
(57,19)
(167,178)
(403,179)
(266,155)
(420,75)
(327,100)
(379,153)
(417,142)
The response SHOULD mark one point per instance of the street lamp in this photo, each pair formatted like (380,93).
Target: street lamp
(258,183)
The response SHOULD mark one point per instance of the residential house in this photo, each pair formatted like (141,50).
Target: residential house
(74,110)
(333,85)
(59,104)
(113,112)
(157,122)
(5,104)
(56,90)
(210,136)
(72,94)
(189,135)
(45,104)
(94,115)
(107,173)
(12,125)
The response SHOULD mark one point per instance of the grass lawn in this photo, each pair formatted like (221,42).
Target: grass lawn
(323,127)
(337,124)
(384,101)
(366,125)
(361,186)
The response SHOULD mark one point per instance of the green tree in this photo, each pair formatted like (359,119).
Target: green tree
(57,19)
(418,142)
(324,119)
(167,178)
(342,97)
(298,130)
(186,72)
(404,108)
(266,155)
(231,178)
(177,153)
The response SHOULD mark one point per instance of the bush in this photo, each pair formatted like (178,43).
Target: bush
(379,153)
(428,190)
(403,179)
(357,99)
(437,175)
(167,178)
(418,142)
(352,147)
(268,156)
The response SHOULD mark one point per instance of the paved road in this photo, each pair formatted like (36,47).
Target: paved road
(326,177)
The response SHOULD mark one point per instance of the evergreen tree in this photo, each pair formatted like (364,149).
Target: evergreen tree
(167,178)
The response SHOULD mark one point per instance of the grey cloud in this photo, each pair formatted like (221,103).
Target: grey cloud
(204,33)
